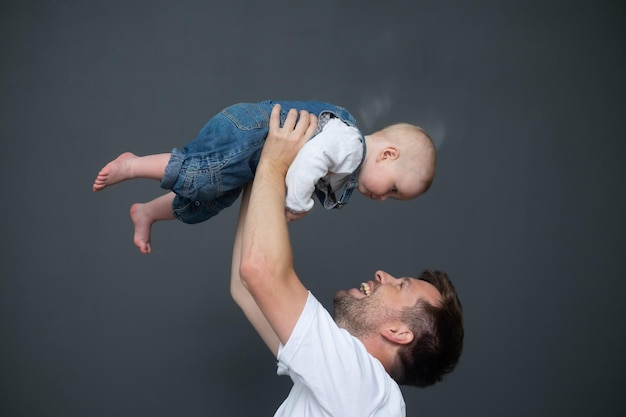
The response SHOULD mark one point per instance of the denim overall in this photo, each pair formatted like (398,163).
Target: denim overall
(210,172)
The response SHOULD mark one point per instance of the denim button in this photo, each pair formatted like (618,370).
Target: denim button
(197,203)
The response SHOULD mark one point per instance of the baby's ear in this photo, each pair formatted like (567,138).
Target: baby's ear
(390,153)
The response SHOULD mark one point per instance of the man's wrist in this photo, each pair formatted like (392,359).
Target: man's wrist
(272,168)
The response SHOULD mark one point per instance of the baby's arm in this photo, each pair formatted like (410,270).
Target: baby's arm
(311,164)
(335,150)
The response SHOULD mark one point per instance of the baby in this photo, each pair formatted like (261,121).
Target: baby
(209,173)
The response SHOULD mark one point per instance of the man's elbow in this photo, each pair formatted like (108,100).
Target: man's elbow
(260,271)
(237,289)
(251,271)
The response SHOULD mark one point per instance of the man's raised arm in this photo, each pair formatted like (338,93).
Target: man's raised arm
(239,293)
(266,261)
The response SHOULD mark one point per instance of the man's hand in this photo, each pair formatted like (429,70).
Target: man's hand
(284,142)
(291,216)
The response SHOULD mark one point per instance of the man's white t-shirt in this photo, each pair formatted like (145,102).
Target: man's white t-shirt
(332,372)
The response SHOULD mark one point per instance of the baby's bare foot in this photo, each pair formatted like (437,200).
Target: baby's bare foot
(117,170)
(143,225)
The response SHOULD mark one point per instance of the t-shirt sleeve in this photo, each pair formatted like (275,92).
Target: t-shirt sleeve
(335,366)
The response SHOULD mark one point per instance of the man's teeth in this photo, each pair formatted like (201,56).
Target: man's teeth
(365,288)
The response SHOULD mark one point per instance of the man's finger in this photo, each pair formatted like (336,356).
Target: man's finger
(290,121)
(312,126)
(303,123)
(275,117)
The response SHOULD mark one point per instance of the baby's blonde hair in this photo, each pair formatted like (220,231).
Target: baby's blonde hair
(417,149)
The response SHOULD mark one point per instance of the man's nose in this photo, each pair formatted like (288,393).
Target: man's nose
(382,277)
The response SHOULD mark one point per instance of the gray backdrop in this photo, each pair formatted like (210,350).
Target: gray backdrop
(524,98)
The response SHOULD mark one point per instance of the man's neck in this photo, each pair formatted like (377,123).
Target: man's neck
(381,349)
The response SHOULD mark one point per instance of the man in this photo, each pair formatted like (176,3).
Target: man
(390,331)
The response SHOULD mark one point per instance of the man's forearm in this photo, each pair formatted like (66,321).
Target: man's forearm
(240,294)
(266,237)
(266,243)
(266,263)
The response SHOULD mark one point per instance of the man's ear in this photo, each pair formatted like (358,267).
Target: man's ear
(398,332)
(390,153)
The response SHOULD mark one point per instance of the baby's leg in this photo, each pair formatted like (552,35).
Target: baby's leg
(145,214)
(128,166)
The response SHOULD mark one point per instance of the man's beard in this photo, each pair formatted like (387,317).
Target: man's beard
(360,317)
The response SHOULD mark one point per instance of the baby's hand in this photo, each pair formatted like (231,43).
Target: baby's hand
(291,216)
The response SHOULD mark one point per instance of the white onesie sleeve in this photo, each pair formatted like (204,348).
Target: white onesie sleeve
(337,149)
